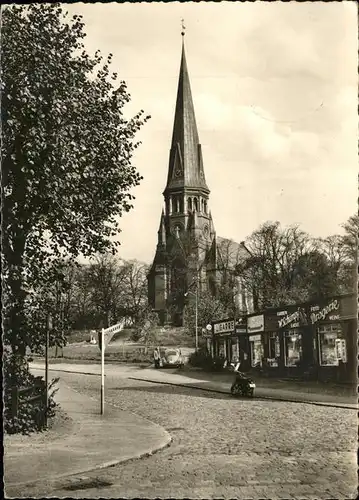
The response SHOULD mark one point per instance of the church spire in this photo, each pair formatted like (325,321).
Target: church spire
(162,230)
(186,163)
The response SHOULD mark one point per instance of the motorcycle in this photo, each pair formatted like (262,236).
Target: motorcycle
(242,386)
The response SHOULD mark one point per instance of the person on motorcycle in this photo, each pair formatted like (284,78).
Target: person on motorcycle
(242,385)
(235,364)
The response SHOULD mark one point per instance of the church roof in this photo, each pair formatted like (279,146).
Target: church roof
(230,253)
(185,168)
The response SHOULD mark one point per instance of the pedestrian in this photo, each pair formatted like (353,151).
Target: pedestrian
(156,356)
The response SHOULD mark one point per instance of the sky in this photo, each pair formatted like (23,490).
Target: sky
(274,87)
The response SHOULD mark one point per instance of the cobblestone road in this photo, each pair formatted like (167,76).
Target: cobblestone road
(224,447)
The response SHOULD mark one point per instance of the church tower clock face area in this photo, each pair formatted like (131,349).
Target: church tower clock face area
(178,172)
(206,231)
(186,217)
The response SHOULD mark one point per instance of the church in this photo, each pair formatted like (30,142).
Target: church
(188,257)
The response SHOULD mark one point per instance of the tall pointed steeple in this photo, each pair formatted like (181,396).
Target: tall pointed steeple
(186,236)
(185,168)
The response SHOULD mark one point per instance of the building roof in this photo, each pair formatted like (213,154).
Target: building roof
(230,253)
(185,168)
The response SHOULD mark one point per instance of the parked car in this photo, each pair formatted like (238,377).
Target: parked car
(172,358)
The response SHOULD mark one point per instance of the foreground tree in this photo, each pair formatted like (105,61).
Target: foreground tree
(66,156)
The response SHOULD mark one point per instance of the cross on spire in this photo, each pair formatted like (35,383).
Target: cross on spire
(183,27)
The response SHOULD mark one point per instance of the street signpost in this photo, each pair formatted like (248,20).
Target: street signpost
(104,338)
(48,329)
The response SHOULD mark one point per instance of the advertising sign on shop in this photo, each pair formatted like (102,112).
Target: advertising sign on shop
(292,319)
(277,347)
(289,319)
(226,326)
(254,338)
(341,350)
(241,325)
(241,329)
(327,312)
(255,323)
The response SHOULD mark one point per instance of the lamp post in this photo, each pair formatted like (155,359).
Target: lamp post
(209,330)
(196,313)
(235,291)
(196,308)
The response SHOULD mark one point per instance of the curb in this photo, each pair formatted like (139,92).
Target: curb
(70,371)
(219,391)
(270,398)
(51,369)
(104,465)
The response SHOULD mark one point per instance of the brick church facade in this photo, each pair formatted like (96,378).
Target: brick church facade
(186,255)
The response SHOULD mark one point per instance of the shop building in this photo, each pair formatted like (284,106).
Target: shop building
(316,340)
(254,355)
(288,344)
(335,328)
(226,338)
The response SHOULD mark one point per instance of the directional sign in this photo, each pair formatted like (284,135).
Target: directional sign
(104,337)
(109,332)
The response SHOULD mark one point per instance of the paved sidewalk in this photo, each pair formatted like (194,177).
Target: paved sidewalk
(184,379)
(209,382)
(90,441)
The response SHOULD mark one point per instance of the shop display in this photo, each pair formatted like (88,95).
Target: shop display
(222,349)
(332,347)
(341,348)
(274,346)
(293,348)
(235,349)
(256,351)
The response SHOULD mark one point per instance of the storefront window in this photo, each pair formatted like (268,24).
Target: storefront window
(274,346)
(256,351)
(222,349)
(273,350)
(332,345)
(293,348)
(235,349)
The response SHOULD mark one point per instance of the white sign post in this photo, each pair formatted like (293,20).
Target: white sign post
(102,343)
(104,339)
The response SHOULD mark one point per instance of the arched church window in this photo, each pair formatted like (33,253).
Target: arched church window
(195,202)
(189,203)
(205,206)
(180,204)
(176,204)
